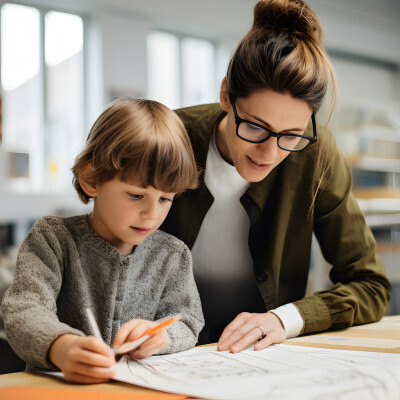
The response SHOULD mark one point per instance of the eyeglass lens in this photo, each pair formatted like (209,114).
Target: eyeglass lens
(255,133)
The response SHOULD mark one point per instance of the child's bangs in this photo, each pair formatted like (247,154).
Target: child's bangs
(138,140)
(163,161)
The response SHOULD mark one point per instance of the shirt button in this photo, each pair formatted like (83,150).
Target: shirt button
(262,277)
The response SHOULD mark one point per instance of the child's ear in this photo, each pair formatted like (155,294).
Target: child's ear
(223,96)
(91,189)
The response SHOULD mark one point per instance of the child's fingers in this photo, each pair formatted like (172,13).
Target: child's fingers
(131,331)
(124,331)
(137,332)
(88,367)
(84,359)
(101,377)
(94,371)
(95,359)
(92,344)
(151,346)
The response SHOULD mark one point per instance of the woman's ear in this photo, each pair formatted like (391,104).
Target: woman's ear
(223,96)
(91,189)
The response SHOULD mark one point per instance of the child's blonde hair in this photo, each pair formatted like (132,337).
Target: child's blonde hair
(140,138)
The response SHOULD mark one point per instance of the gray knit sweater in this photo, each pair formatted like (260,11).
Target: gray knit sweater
(63,267)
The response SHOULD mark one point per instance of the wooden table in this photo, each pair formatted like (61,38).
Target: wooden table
(382,336)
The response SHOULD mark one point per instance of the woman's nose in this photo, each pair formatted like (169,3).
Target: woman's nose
(269,149)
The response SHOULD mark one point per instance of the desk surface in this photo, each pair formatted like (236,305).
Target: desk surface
(383,336)
(32,379)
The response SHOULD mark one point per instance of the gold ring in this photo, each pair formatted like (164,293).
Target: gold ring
(263,333)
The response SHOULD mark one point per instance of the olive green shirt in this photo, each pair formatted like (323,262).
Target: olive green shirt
(281,228)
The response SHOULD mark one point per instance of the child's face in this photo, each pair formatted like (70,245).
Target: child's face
(124,214)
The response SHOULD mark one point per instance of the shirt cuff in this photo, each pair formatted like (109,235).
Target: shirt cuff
(291,319)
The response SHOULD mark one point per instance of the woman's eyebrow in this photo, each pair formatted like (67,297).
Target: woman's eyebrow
(269,127)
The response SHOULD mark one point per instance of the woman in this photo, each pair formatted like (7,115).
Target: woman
(271,179)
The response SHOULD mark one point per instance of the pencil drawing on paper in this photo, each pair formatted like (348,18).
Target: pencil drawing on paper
(276,372)
(202,367)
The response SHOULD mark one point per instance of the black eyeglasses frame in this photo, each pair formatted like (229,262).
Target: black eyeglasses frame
(239,120)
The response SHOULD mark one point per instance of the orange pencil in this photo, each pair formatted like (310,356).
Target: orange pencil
(127,347)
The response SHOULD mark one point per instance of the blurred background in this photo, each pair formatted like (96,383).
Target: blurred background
(62,62)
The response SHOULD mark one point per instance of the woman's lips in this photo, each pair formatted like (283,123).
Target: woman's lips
(141,231)
(257,165)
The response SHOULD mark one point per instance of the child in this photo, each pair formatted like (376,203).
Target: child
(114,260)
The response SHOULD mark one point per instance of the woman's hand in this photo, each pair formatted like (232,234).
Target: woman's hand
(248,328)
(133,330)
(83,359)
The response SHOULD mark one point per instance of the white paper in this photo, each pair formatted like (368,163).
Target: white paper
(278,372)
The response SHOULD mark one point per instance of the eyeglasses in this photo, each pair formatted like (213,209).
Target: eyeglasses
(255,133)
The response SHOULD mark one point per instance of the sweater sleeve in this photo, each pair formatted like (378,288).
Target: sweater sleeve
(180,295)
(361,290)
(30,304)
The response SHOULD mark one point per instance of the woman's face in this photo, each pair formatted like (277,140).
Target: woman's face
(278,112)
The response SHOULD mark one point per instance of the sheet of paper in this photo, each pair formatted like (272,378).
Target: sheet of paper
(278,372)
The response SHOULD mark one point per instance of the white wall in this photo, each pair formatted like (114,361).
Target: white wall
(357,80)
(362,27)
(124,55)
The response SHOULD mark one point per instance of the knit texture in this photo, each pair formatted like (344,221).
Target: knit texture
(64,267)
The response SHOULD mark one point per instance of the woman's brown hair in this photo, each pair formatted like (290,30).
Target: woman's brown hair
(138,138)
(283,51)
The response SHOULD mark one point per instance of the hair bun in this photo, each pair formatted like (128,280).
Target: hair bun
(293,17)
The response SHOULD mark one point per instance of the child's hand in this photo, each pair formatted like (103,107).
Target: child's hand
(82,359)
(133,330)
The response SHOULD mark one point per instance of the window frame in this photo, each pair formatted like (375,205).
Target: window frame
(42,76)
(180,38)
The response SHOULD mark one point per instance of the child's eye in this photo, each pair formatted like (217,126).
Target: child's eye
(165,200)
(135,196)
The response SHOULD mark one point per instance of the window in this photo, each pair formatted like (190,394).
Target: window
(181,70)
(163,68)
(197,71)
(42,76)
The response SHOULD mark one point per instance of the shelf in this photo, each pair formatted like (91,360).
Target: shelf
(378,164)
(383,220)
(388,248)
(378,200)
(380,133)
(379,206)
(376,192)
